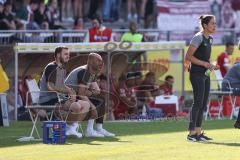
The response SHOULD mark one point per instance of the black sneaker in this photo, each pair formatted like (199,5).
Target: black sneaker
(193,138)
(237,125)
(203,138)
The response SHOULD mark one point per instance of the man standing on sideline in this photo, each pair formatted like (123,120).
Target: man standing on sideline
(83,80)
(52,80)
(223,59)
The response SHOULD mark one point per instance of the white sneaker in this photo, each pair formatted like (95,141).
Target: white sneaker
(106,133)
(92,133)
(71,132)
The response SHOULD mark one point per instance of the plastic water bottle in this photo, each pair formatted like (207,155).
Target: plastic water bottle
(208,72)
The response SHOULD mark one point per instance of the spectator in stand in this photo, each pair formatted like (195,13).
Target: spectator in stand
(142,9)
(94,4)
(136,10)
(1,14)
(44,25)
(167,87)
(131,10)
(149,14)
(1,9)
(78,24)
(98,32)
(133,35)
(110,10)
(223,59)
(67,11)
(128,101)
(53,15)
(7,18)
(26,15)
(78,8)
(39,15)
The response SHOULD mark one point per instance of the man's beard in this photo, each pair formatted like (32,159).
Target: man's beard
(62,61)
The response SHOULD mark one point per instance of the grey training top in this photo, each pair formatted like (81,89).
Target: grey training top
(202,53)
(197,39)
(79,75)
(56,75)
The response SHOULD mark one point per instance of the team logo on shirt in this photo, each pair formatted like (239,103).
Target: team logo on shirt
(99,38)
(211,41)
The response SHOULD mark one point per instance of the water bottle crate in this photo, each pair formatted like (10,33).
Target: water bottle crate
(54,132)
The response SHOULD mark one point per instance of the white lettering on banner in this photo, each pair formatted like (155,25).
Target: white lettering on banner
(195,10)
(174,16)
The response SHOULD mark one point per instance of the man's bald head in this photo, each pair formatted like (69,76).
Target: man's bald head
(95,62)
(93,55)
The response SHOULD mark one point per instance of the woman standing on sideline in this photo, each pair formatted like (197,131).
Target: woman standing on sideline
(198,54)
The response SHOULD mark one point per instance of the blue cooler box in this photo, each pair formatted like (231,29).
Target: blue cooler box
(54,132)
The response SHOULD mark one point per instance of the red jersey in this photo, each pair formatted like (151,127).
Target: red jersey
(96,35)
(222,61)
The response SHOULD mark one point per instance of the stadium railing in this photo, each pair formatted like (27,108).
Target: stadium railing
(73,36)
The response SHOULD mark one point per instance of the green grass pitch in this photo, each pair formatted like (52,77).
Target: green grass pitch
(135,140)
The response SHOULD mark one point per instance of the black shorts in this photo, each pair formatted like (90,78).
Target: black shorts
(97,102)
(51,102)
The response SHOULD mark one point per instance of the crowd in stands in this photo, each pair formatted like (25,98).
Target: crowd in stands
(64,14)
